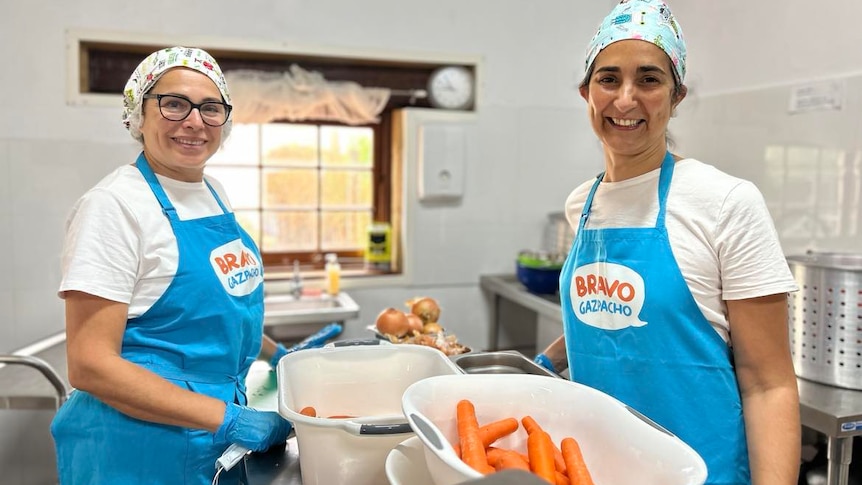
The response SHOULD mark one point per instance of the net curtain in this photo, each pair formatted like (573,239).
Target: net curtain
(298,95)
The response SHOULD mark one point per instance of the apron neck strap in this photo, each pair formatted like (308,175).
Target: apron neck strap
(167,207)
(665,176)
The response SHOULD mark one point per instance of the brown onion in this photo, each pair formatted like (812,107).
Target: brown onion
(392,322)
(426,308)
(432,327)
(414,322)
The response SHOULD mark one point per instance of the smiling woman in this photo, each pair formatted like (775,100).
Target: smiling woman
(161,338)
(699,344)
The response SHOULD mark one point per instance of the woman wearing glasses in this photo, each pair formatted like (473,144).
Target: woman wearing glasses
(164,297)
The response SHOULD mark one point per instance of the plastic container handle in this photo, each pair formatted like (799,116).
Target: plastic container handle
(384,429)
(430,433)
(360,429)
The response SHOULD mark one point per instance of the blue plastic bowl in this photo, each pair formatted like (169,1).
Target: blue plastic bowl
(541,281)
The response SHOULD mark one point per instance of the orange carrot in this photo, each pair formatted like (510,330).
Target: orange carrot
(340,416)
(472,449)
(562,479)
(308,411)
(511,459)
(493,431)
(540,449)
(494,454)
(531,425)
(577,469)
(489,450)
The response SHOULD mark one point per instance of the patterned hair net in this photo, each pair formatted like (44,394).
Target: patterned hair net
(151,69)
(649,20)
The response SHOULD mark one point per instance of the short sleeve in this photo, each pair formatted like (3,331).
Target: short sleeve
(752,261)
(101,248)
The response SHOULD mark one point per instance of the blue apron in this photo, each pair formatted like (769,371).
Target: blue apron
(202,334)
(633,330)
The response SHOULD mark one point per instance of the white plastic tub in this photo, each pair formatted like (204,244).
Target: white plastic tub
(363,381)
(619,446)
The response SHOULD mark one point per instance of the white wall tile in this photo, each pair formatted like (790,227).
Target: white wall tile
(807,165)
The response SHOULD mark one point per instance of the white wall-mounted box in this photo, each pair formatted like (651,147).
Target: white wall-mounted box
(442,155)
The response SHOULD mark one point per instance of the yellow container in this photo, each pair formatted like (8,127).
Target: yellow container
(333,274)
(378,252)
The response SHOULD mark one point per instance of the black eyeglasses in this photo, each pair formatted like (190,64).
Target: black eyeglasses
(178,108)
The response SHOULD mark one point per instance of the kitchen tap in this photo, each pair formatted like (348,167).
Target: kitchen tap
(296,290)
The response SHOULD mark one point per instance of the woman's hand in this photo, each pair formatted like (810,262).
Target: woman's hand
(252,429)
(554,356)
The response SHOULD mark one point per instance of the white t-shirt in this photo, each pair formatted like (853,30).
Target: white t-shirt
(120,246)
(719,227)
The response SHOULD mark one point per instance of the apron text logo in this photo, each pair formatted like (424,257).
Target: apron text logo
(591,306)
(593,284)
(607,295)
(237,268)
(229,261)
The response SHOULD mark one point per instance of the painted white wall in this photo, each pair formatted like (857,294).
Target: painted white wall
(528,146)
(738,45)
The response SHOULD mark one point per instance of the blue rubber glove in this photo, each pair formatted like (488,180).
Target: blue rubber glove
(318,339)
(253,429)
(280,351)
(545,362)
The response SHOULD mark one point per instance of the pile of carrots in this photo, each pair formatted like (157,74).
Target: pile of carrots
(562,465)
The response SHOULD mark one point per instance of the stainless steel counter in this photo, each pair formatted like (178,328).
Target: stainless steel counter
(832,411)
(275,467)
(504,288)
(837,413)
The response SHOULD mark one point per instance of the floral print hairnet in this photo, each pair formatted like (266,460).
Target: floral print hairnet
(649,20)
(151,69)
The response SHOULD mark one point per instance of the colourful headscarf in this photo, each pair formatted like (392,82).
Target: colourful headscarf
(151,69)
(649,20)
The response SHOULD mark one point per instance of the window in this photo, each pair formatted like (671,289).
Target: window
(302,189)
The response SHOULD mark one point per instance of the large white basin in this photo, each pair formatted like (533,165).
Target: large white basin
(289,310)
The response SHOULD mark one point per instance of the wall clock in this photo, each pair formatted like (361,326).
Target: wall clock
(451,87)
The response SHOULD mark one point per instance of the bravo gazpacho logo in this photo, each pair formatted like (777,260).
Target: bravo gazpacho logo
(237,267)
(607,295)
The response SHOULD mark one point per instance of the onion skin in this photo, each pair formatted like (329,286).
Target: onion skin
(392,322)
(426,308)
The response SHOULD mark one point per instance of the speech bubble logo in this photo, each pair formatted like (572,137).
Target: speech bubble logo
(607,295)
(237,267)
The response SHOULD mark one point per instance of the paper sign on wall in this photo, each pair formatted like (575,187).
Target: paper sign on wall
(822,96)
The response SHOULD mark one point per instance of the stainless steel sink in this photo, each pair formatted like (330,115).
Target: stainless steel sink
(500,362)
(288,310)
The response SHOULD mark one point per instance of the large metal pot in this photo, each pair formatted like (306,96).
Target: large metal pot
(558,235)
(826,318)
